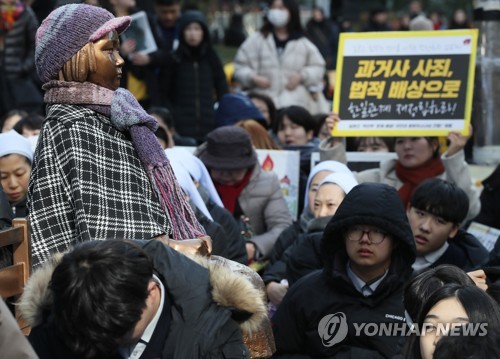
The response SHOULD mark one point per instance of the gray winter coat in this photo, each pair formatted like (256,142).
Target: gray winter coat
(262,201)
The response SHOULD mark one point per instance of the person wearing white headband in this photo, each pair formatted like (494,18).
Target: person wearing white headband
(16,157)
(235,249)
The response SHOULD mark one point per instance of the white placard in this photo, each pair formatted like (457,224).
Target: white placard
(140,31)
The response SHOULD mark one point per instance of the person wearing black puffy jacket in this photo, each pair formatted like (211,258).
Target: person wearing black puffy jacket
(193,78)
(368,250)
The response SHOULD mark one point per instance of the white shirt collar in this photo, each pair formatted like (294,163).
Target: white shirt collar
(422,262)
(134,352)
(360,284)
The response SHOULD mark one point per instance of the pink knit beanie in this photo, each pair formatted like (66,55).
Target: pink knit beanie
(66,30)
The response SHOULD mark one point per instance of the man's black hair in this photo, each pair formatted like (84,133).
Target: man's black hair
(100,290)
(164,114)
(467,346)
(33,121)
(298,115)
(442,199)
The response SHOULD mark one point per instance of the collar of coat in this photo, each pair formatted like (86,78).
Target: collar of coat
(234,286)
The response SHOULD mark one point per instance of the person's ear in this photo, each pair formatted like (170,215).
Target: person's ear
(454,231)
(310,135)
(408,208)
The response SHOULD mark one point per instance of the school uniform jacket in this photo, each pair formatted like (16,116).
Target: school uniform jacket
(330,290)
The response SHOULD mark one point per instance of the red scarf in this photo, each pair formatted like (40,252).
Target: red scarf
(229,193)
(412,177)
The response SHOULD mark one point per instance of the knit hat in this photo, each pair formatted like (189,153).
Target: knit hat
(228,148)
(234,107)
(13,143)
(344,180)
(66,30)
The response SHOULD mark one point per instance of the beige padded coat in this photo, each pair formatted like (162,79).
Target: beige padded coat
(258,56)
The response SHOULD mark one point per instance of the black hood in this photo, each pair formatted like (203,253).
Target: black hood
(189,17)
(374,204)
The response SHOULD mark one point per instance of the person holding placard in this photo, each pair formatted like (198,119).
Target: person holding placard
(418,159)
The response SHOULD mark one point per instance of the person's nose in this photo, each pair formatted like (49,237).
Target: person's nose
(119,60)
(365,238)
(323,211)
(406,143)
(12,182)
(425,225)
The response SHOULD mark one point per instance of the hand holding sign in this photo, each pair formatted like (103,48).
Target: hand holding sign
(331,121)
(457,141)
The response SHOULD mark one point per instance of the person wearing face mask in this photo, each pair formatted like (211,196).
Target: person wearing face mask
(279,61)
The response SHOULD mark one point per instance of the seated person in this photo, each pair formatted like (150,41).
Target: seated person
(306,255)
(420,287)
(276,268)
(295,129)
(435,212)
(198,173)
(490,200)
(449,307)
(368,250)
(466,346)
(246,190)
(131,299)
(418,158)
(166,121)
(370,144)
(16,158)
(330,193)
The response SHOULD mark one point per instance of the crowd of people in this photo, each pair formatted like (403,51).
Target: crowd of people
(142,248)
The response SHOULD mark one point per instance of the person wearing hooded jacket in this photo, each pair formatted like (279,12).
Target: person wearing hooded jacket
(191,78)
(305,255)
(200,310)
(276,269)
(368,251)
(330,193)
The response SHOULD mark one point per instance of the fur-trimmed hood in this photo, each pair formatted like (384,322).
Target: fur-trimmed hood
(232,285)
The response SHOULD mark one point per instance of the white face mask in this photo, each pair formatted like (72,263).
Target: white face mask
(277,17)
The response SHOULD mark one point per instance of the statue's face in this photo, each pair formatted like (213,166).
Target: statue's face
(108,61)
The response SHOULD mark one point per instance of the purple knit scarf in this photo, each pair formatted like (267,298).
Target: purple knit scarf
(127,115)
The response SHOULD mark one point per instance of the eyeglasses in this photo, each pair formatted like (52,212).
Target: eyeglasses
(376,236)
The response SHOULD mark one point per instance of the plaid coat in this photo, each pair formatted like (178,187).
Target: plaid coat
(87,183)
